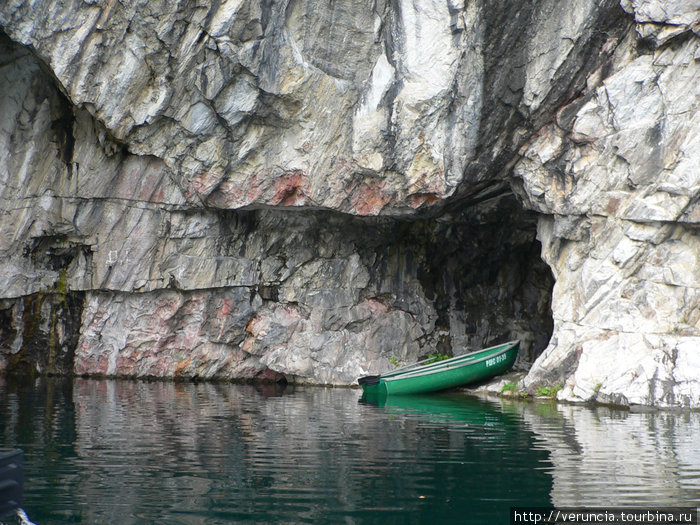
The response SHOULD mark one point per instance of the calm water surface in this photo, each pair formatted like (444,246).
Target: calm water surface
(101,451)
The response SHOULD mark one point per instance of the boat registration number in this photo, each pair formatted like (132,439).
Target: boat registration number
(495,360)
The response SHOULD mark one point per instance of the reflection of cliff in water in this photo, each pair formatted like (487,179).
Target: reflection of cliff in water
(164,452)
(603,456)
(314,454)
(134,452)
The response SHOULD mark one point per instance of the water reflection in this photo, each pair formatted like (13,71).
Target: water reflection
(139,452)
(485,449)
(604,456)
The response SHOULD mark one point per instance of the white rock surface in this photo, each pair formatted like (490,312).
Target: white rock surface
(619,191)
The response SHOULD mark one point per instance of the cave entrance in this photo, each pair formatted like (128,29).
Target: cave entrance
(482,269)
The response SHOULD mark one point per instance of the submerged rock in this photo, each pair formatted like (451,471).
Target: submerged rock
(258,190)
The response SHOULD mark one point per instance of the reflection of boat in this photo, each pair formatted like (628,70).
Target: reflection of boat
(429,376)
(445,408)
(442,405)
(428,440)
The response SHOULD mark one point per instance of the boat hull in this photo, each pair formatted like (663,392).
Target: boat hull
(458,371)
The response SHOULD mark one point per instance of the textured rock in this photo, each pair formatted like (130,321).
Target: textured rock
(249,189)
(208,89)
(617,177)
(368,111)
(162,287)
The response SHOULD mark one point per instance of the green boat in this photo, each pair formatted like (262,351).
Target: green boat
(429,376)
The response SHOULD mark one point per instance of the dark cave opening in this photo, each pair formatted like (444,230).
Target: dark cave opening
(480,267)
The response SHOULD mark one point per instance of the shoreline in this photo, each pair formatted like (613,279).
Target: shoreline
(492,390)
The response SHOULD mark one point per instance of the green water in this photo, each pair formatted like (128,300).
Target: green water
(137,452)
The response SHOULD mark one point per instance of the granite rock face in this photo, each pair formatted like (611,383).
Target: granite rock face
(250,189)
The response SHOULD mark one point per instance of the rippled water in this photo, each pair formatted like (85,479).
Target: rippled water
(138,452)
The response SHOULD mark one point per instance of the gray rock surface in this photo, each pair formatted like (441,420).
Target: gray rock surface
(263,189)
(617,179)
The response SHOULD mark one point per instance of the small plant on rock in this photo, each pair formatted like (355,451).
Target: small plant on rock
(548,391)
(510,388)
(435,357)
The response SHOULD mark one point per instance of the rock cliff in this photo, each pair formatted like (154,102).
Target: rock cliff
(281,188)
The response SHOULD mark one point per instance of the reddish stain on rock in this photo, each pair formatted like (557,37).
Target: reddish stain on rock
(152,181)
(289,189)
(269,376)
(264,187)
(370,199)
(182,367)
(202,184)
(419,200)
(377,306)
(89,363)
(612,206)
(259,187)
